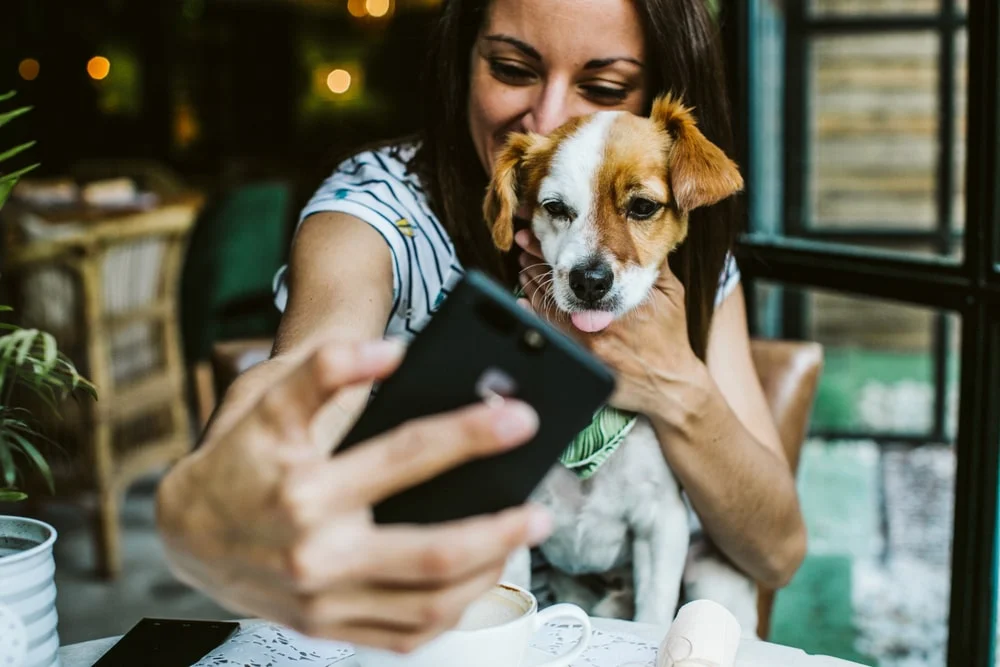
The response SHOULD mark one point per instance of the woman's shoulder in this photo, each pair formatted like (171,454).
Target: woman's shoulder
(389,160)
(377,181)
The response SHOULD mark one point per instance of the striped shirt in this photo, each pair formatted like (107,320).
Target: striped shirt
(375,187)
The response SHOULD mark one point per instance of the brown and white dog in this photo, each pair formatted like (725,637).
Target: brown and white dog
(610,195)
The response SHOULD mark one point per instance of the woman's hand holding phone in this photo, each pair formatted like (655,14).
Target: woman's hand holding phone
(264,520)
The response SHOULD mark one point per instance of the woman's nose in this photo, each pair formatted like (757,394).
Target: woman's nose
(551,108)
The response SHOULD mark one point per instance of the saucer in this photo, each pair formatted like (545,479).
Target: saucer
(535,657)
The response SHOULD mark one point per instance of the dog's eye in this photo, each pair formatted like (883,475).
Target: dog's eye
(641,209)
(557,209)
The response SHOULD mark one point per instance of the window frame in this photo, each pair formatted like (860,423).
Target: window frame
(969,287)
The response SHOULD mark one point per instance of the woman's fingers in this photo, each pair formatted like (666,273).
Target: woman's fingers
(527,241)
(422,449)
(351,549)
(288,408)
(415,609)
(454,551)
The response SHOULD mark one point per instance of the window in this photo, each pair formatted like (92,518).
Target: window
(876,480)
(869,139)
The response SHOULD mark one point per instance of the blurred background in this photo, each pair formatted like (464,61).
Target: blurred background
(179,138)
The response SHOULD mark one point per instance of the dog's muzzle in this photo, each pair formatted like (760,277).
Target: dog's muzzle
(591,281)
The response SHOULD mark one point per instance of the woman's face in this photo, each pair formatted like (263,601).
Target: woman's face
(538,63)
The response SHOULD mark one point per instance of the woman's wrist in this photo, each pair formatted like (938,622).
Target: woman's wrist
(686,404)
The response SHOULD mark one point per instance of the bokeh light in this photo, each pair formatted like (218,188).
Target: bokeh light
(29,69)
(339,81)
(98,68)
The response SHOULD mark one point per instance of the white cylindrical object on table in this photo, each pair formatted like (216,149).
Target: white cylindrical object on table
(704,634)
(27,588)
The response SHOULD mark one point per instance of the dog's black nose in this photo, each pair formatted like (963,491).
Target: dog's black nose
(590,282)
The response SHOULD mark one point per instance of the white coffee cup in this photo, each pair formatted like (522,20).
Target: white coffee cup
(495,631)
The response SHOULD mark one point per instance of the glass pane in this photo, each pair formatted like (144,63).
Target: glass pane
(961,106)
(873,131)
(766,158)
(862,7)
(874,587)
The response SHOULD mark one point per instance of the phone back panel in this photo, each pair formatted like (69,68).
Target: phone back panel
(480,336)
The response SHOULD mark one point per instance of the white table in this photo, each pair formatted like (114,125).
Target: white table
(752,653)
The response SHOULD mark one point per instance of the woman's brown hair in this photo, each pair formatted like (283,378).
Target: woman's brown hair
(683,57)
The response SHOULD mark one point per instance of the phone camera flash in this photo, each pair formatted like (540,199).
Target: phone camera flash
(533,339)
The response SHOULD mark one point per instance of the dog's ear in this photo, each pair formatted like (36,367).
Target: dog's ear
(700,173)
(505,187)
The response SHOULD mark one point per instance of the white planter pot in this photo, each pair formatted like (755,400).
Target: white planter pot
(28,620)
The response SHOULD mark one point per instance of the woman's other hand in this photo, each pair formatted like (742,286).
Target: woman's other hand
(648,348)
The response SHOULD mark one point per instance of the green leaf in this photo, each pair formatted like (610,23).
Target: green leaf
(37,458)
(26,430)
(27,342)
(7,464)
(6,155)
(10,496)
(5,189)
(45,394)
(9,181)
(11,115)
(50,352)
(6,96)
(11,343)
(13,422)
(13,176)
(6,309)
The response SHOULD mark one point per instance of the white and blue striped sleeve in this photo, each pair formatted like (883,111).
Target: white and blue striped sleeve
(728,280)
(373,187)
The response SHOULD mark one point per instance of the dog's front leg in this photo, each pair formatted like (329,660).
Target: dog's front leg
(711,576)
(517,570)
(658,565)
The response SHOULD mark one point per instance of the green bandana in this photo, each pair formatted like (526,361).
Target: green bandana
(597,442)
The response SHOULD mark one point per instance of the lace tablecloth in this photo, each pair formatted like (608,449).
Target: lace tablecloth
(261,644)
(266,645)
(614,644)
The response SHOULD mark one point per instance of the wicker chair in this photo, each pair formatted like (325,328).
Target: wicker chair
(105,285)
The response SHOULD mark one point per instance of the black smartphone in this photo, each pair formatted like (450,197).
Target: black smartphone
(481,345)
(167,642)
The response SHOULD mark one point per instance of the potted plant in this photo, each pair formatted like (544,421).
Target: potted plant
(30,362)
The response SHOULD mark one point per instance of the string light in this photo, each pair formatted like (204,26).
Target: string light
(98,68)
(339,81)
(377,8)
(29,69)
(356,8)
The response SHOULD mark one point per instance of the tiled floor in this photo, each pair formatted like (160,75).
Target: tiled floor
(874,588)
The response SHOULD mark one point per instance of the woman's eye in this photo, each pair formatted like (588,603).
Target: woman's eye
(641,209)
(606,94)
(509,73)
(557,209)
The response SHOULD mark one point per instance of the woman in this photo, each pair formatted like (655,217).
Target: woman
(264,521)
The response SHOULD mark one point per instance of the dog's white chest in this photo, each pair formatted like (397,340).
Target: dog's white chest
(596,519)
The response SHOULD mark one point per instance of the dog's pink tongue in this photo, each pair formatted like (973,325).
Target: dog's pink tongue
(592,320)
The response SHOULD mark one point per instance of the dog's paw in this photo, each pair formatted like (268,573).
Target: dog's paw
(616,604)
